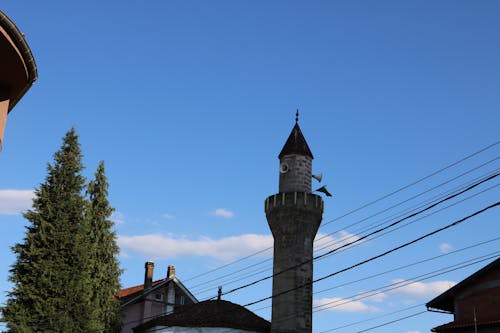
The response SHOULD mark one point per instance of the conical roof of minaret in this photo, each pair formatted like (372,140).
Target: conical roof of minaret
(296,144)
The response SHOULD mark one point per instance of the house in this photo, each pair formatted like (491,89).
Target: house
(212,316)
(474,303)
(153,298)
(17,68)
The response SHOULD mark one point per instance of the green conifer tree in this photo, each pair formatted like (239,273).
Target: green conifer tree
(52,289)
(105,270)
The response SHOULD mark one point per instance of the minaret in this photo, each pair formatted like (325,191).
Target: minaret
(294,215)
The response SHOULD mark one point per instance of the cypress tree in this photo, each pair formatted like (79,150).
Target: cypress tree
(105,270)
(52,289)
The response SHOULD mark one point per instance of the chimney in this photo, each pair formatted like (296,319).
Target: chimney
(148,275)
(170,271)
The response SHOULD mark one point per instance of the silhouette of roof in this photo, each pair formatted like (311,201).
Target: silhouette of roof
(217,313)
(296,144)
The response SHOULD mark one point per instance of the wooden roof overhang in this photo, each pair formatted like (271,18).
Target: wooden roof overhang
(17,69)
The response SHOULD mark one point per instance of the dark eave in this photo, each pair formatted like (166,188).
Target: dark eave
(14,36)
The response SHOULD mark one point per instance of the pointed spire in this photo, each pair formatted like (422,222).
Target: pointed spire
(296,143)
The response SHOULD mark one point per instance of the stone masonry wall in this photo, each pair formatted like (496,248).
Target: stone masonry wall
(294,219)
(298,177)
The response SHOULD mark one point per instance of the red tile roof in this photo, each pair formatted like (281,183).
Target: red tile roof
(130,292)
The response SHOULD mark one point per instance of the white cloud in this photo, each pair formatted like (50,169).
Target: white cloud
(337,304)
(15,201)
(157,246)
(168,216)
(222,212)
(445,247)
(421,289)
(378,297)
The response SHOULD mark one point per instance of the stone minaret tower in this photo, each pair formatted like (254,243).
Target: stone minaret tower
(294,215)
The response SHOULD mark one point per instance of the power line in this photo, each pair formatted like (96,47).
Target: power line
(389,287)
(410,265)
(242,277)
(362,206)
(393,321)
(417,181)
(406,282)
(239,278)
(418,219)
(381,254)
(410,280)
(372,318)
(365,236)
(415,196)
(396,285)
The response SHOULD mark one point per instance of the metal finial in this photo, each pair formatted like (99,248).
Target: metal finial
(297,116)
(219,293)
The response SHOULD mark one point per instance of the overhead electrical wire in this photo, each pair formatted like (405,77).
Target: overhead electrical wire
(411,280)
(392,321)
(254,273)
(385,222)
(390,194)
(383,254)
(373,318)
(424,216)
(365,236)
(361,207)
(415,182)
(396,285)
(399,284)
(239,278)
(342,285)
(415,207)
(322,237)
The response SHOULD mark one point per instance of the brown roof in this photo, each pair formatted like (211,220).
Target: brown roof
(445,300)
(210,314)
(131,292)
(464,324)
(296,144)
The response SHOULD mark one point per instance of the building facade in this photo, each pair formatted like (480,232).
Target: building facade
(142,303)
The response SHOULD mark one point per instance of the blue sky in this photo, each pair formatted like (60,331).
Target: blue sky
(190,102)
